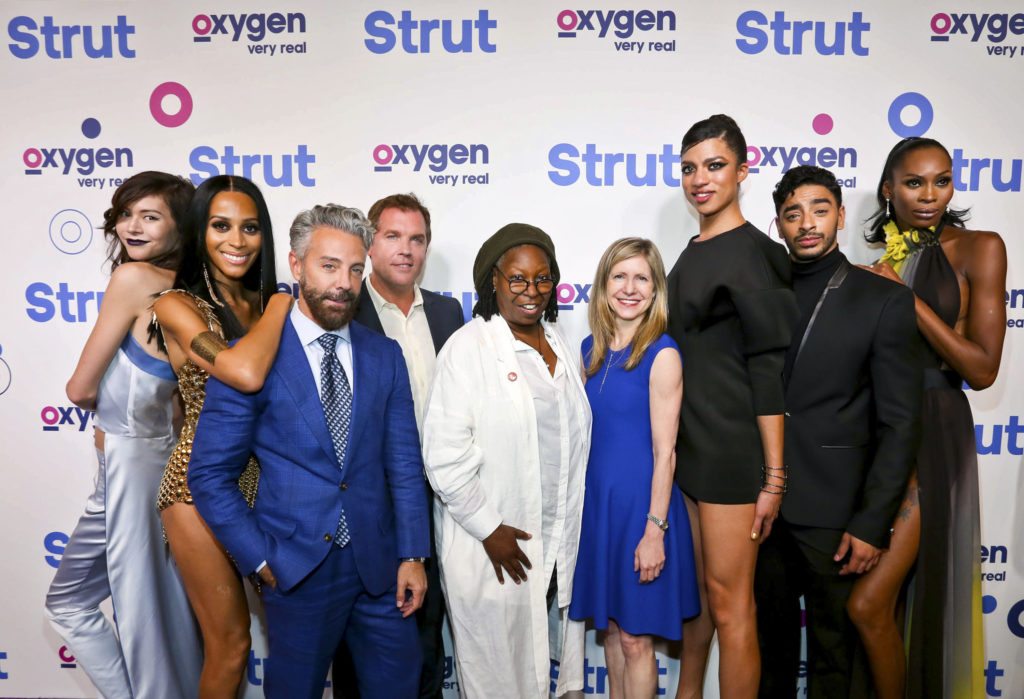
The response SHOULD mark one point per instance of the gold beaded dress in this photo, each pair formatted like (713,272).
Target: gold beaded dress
(192,386)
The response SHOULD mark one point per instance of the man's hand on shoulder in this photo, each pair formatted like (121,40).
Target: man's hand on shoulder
(863,556)
(412,586)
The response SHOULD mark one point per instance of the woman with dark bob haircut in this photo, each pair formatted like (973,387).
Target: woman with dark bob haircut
(731,311)
(506,434)
(959,280)
(224,290)
(116,550)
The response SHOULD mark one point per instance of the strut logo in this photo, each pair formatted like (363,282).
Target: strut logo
(44,303)
(1000,435)
(968,173)
(415,34)
(600,169)
(437,158)
(795,37)
(595,677)
(54,543)
(995,28)
(622,24)
(57,417)
(84,161)
(255,28)
(67,660)
(271,170)
(69,40)
(5,373)
(786,157)
(3,675)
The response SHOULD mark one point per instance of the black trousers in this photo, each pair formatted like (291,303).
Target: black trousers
(794,562)
(429,619)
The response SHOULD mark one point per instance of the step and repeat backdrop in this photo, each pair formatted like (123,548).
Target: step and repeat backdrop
(564,115)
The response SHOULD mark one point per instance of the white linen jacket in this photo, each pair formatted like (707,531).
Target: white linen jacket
(481,456)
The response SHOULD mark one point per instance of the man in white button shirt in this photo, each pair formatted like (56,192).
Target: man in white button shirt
(393,304)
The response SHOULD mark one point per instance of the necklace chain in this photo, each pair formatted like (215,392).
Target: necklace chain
(611,359)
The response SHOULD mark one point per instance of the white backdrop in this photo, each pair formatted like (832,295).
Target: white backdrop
(565,116)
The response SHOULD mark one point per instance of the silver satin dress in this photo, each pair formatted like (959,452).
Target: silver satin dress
(117,549)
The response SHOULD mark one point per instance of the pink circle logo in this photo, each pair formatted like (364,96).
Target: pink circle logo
(822,124)
(49,415)
(941,23)
(753,156)
(567,20)
(156,104)
(32,158)
(201,25)
(383,154)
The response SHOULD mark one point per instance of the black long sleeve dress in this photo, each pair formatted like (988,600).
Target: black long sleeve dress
(732,312)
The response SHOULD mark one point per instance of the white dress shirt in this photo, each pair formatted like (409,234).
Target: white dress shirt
(308,332)
(412,333)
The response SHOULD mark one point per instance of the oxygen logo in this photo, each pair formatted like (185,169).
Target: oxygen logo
(969,173)
(83,161)
(423,35)
(786,157)
(994,556)
(62,41)
(44,303)
(164,95)
(622,24)
(3,675)
(58,417)
(5,373)
(1014,301)
(995,28)
(254,28)
(569,295)
(67,660)
(437,158)
(794,37)
(273,170)
(600,169)
(70,231)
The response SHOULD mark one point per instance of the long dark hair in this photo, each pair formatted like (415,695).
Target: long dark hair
(899,152)
(195,259)
(176,193)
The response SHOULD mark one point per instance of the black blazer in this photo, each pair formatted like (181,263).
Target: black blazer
(853,407)
(444,315)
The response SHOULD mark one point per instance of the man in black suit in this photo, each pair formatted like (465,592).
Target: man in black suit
(421,322)
(853,396)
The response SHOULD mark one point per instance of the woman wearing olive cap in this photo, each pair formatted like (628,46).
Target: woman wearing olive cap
(505,441)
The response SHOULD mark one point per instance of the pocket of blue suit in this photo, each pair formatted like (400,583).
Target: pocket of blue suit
(277,528)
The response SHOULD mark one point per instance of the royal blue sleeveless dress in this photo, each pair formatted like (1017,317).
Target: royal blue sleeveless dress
(615,507)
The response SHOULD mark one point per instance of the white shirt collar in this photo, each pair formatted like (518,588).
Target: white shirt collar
(379,302)
(308,331)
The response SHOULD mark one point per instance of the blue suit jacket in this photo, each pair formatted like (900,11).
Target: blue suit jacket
(302,487)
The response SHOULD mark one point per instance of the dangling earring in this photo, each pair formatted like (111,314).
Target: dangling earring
(887,214)
(209,287)
(261,290)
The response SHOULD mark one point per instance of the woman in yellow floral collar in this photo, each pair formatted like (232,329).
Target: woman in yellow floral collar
(959,279)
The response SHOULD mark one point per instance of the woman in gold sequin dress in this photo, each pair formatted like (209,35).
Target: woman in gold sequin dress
(226,282)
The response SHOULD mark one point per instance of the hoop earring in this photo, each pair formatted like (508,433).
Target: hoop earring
(887,214)
(209,287)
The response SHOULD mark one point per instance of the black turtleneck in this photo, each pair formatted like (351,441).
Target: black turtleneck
(809,281)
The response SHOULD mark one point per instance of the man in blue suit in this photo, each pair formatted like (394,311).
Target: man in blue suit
(339,531)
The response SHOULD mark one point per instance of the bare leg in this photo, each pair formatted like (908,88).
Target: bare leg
(615,661)
(729,559)
(218,599)
(697,632)
(641,680)
(872,605)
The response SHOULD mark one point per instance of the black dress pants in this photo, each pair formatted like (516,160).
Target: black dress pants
(794,562)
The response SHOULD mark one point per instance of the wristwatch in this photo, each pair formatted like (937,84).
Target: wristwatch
(662,523)
(413,560)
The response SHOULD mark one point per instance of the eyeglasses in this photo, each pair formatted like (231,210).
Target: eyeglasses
(518,285)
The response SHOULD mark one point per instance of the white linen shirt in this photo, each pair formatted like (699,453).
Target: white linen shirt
(412,333)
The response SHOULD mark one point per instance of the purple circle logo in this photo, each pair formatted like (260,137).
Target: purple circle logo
(91,128)
(567,20)
(822,124)
(156,104)
(383,154)
(201,25)
(941,23)
(926,113)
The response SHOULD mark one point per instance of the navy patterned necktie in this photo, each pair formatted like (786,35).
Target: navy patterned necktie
(336,396)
